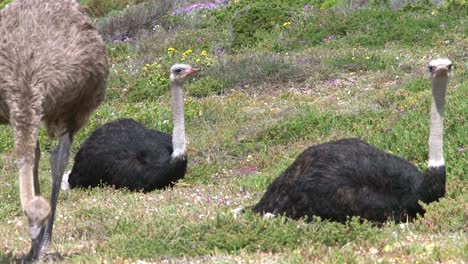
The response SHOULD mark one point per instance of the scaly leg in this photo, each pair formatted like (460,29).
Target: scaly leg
(37,189)
(35,208)
(58,162)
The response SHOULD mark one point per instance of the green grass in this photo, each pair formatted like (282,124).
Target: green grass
(249,113)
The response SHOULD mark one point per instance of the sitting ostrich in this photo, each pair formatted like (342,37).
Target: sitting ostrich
(349,177)
(53,69)
(126,154)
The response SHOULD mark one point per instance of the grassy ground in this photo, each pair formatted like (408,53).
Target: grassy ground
(324,75)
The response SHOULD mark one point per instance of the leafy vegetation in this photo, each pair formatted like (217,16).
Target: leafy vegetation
(3,3)
(314,71)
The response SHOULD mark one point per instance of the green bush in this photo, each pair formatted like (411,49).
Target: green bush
(366,28)
(99,8)
(254,20)
(205,86)
(134,20)
(148,86)
(359,61)
(251,68)
(420,6)
(3,3)
(455,7)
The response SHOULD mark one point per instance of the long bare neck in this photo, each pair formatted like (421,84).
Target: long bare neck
(436,130)
(179,144)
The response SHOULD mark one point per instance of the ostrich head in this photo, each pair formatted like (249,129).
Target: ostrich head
(179,72)
(440,68)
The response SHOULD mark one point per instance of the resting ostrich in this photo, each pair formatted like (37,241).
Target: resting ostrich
(53,69)
(126,154)
(349,177)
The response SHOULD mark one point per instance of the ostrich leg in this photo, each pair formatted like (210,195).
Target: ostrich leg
(36,242)
(37,190)
(58,162)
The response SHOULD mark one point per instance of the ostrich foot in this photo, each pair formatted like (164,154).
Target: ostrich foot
(36,254)
(37,212)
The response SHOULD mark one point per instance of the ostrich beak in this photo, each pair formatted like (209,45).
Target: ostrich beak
(441,71)
(192,70)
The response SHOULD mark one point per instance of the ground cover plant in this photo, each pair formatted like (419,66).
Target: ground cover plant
(319,71)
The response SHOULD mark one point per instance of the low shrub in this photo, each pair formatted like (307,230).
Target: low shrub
(251,68)
(99,8)
(3,3)
(205,86)
(359,61)
(253,20)
(134,20)
(153,81)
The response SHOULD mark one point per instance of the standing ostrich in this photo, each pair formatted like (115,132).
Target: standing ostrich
(53,69)
(349,177)
(126,154)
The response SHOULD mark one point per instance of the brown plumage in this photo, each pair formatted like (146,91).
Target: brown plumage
(53,69)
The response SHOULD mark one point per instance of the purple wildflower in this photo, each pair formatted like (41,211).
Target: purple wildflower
(332,82)
(332,36)
(461,149)
(197,7)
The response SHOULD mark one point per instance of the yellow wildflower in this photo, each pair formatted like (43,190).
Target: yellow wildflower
(285,24)
(367,57)
(171,50)
(387,248)
(204,53)
(197,60)
(187,52)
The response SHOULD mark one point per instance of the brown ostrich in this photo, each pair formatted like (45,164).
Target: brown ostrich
(53,69)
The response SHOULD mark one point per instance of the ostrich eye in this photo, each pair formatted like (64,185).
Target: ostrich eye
(431,68)
(449,67)
(178,70)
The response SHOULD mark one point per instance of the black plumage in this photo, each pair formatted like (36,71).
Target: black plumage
(349,177)
(126,154)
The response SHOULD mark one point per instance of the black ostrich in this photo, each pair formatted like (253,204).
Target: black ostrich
(126,154)
(349,177)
